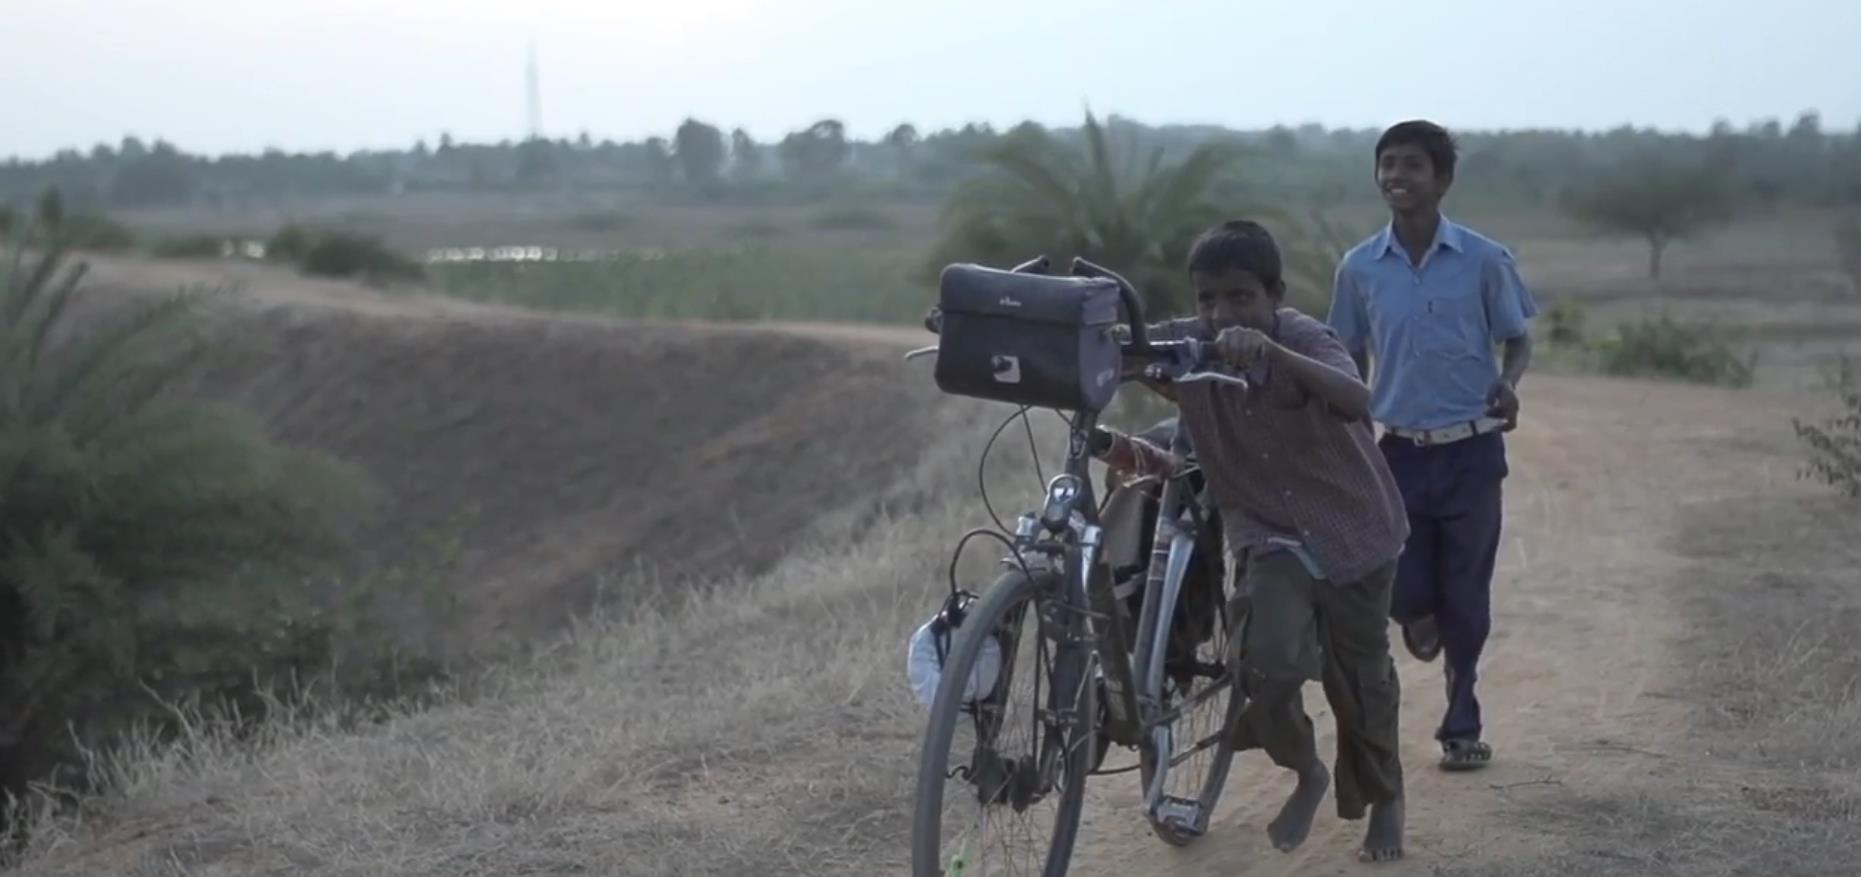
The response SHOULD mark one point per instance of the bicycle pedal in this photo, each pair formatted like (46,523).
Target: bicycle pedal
(1181,815)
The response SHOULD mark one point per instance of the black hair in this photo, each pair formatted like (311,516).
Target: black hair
(1239,244)
(1432,138)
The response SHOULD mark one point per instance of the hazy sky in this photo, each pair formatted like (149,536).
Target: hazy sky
(216,75)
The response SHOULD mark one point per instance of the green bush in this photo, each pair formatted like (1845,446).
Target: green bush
(289,244)
(1661,347)
(198,246)
(97,232)
(1835,446)
(152,547)
(1565,319)
(94,232)
(340,254)
(55,224)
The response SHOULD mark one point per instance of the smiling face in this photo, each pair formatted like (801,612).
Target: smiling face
(1408,179)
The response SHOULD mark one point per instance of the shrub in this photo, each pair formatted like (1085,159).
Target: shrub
(289,244)
(97,232)
(1565,319)
(1659,346)
(199,246)
(150,544)
(80,231)
(340,254)
(1835,446)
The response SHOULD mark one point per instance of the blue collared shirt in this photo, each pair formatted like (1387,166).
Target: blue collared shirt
(1431,329)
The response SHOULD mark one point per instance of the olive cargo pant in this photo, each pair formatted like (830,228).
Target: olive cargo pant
(1297,629)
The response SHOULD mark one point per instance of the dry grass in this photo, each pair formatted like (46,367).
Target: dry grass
(1769,779)
(762,726)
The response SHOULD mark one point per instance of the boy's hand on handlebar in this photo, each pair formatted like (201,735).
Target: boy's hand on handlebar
(1241,347)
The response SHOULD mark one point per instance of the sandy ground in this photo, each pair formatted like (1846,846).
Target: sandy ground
(1584,613)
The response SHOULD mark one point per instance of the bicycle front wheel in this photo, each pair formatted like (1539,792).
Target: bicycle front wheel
(1001,780)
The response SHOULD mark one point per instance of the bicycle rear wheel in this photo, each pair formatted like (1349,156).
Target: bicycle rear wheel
(1021,741)
(1185,666)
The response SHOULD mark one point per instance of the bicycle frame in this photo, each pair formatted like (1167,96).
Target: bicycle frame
(1080,610)
(1068,526)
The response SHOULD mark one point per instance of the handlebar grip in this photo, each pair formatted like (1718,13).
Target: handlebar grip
(933,320)
(1133,305)
(1038,265)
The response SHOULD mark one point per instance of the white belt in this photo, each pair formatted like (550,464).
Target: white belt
(1444,435)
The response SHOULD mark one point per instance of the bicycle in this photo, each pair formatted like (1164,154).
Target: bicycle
(1109,678)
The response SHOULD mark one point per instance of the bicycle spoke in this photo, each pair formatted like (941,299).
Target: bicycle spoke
(1005,778)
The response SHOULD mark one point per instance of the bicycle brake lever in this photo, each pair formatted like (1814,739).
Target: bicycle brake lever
(1217,377)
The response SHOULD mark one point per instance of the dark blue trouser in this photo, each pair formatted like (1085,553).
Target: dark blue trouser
(1452,493)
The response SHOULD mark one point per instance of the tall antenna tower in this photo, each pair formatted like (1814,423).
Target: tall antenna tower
(533,96)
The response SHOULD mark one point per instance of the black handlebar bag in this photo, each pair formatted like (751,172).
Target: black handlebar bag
(1027,339)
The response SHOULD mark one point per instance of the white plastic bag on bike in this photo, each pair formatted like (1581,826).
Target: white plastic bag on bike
(923,669)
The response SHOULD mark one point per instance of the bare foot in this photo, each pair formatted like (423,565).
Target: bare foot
(1383,841)
(1289,830)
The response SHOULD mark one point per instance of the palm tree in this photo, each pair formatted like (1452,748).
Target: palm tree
(146,537)
(1039,195)
(1311,250)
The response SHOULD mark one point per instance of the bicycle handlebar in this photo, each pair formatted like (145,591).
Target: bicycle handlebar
(1187,361)
(1133,303)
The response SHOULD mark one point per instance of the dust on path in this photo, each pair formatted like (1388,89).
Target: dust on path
(1570,683)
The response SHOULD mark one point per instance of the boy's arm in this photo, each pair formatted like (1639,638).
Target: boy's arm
(1348,320)
(1317,360)
(1509,309)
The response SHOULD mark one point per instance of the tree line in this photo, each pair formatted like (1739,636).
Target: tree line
(1766,162)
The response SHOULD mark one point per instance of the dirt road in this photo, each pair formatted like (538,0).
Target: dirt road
(1583,613)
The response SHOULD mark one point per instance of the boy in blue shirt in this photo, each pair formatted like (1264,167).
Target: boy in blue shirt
(1427,300)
